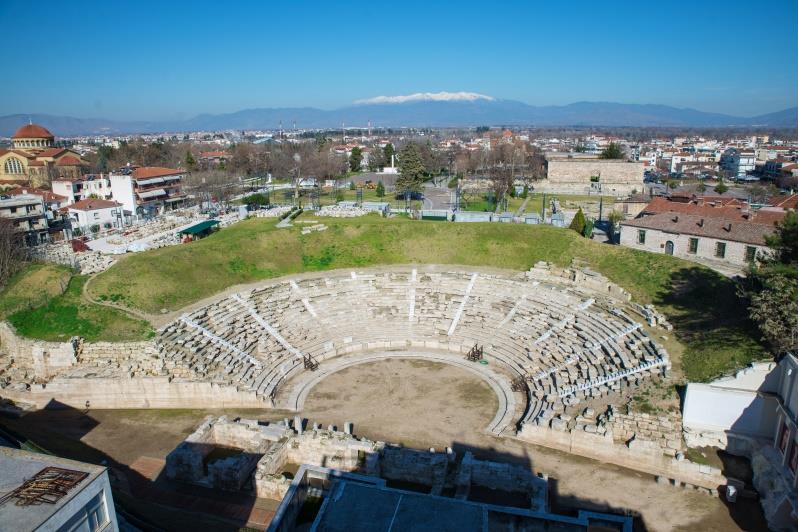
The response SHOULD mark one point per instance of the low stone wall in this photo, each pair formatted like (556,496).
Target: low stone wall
(134,358)
(602,447)
(137,392)
(34,360)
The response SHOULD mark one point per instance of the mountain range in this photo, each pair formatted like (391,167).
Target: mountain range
(415,113)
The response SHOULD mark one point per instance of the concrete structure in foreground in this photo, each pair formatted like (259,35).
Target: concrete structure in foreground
(573,173)
(350,501)
(754,414)
(78,494)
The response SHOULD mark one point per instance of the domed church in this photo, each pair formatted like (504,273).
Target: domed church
(34,159)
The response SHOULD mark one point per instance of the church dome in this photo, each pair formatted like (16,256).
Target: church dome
(33,131)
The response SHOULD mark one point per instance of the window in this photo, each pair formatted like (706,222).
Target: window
(784,437)
(750,253)
(641,236)
(90,518)
(720,250)
(13,166)
(693,246)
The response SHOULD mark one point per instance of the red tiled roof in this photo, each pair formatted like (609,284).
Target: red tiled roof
(718,228)
(214,154)
(726,212)
(154,171)
(69,160)
(785,202)
(91,204)
(51,152)
(32,131)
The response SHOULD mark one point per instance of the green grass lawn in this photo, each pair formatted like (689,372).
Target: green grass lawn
(44,302)
(709,320)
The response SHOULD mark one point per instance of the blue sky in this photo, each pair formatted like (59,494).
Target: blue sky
(166,60)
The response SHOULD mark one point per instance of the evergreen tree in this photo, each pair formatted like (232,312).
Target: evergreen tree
(525,192)
(411,170)
(191,163)
(387,153)
(380,190)
(612,151)
(721,187)
(578,223)
(355,159)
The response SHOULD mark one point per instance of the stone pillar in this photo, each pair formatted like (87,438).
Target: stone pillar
(298,425)
(348,427)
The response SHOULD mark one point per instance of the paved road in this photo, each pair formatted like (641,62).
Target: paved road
(437,197)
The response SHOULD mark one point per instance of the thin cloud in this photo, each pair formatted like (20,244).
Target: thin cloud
(428,96)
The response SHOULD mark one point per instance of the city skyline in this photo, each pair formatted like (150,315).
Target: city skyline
(146,61)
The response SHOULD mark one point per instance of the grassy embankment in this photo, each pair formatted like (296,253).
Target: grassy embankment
(44,301)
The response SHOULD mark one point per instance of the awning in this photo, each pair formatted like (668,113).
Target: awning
(150,181)
(199,228)
(152,193)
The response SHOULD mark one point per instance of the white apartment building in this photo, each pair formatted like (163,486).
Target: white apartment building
(88,186)
(149,190)
(80,498)
(95,215)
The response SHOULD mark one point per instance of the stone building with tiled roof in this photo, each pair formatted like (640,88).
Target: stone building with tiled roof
(34,159)
(727,237)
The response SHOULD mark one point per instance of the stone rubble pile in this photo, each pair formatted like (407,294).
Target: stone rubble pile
(338,211)
(274,212)
(313,228)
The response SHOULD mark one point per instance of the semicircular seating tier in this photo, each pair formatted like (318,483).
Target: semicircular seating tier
(556,345)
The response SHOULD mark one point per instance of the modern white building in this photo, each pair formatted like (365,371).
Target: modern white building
(88,186)
(754,414)
(101,214)
(149,190)
(80,499)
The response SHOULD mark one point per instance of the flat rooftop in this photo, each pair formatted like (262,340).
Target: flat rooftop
(356,507)
(18,466)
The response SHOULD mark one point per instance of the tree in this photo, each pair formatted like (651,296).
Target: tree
(411,170)
(355,159)
(388,152)
(525,192)
(578,223)
(380,190)
(612,151)
(701,188)
(12,252)
(772,287)
(721,187)
(191,163)
(615,217)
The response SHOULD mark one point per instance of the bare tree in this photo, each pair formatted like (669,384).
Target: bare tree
(12,252)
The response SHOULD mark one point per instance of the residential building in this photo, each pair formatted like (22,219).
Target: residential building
(78,499)
(95,215)
(736,163)
(27,213)
(148,190)
(34,158)
(212,159)
(87,186)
